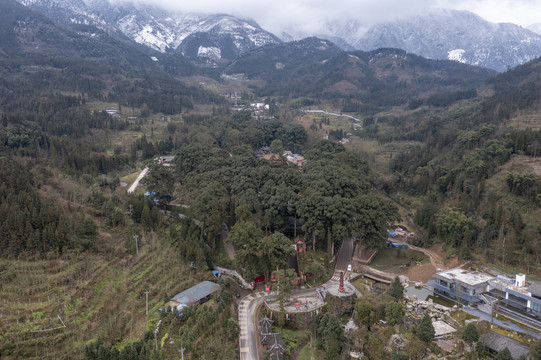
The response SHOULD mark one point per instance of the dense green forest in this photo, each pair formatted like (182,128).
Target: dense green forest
(449,150)
(368,82)
(463,151)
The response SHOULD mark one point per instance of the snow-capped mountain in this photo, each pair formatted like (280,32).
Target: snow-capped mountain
(439,34)
(206,38)
(218,38)
(457,35)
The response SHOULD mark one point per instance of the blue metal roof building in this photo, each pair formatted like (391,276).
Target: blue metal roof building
(197,293)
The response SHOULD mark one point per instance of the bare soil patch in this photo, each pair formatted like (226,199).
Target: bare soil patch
(421,273)
(438,260)
(523,163)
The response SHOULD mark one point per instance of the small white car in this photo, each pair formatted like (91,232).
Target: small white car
(349,267)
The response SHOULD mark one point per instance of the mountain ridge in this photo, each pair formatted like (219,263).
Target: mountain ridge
(215,39)
(161,30)
(457,35)
(385,77)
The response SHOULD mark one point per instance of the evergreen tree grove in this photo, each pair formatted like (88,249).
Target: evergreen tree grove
(397,290)
(425,330)
(470,334)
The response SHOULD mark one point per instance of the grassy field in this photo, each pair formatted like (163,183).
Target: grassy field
(363,284)
(441,301)
(305,353)
(397,260)
(130,178)
(309,352)
(379,155)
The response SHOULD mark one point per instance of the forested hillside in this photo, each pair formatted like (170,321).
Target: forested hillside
(476,170)
(444,148)
(370,81)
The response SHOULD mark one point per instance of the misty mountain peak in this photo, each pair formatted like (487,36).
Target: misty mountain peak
(456,35)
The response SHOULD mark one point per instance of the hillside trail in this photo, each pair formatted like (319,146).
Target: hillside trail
(402,237)
(435,259)
(422,272)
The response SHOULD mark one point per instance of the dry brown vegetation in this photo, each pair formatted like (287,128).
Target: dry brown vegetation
(95,294)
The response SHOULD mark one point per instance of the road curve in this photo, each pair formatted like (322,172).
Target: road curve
(248,340)
(435,259)
(248,307)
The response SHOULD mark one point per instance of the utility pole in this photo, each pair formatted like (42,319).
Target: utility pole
(136,237)
(146,293)
(182,353)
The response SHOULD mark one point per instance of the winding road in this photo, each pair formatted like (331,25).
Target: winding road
(248,310)
(249,306)
(435,258)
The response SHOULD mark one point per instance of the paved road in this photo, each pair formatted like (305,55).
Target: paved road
(136,182)
(344,255)
(248,308)
(435,258)
(248,321)
(334,114)
(342,259)
(505,324)
(248,339)
(244,284)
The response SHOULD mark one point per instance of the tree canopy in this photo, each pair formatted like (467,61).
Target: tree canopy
(425,329)
(394,312)
(535,351)
(470,334)
(397,290)
(329,334)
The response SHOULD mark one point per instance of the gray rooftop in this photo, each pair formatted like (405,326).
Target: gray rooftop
(535,288)
(196,293)
(472,278)
(498,342)
(441,328)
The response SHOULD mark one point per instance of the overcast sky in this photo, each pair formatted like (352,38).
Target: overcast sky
(275,15)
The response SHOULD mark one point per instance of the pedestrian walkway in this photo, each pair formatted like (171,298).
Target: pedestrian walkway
(297,304)
(505,324)
(236,275)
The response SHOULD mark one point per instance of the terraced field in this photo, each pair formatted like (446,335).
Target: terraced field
(50,309)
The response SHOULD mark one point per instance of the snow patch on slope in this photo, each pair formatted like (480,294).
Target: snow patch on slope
(156,28)
(210,52)
(456,55)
